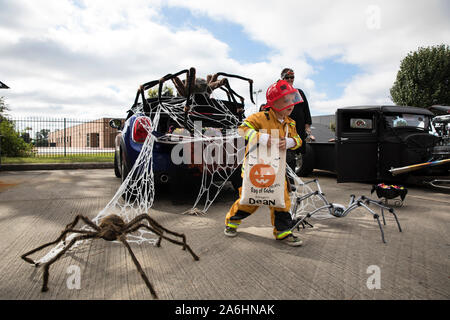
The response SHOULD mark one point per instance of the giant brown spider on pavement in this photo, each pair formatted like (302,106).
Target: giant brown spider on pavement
(111,228)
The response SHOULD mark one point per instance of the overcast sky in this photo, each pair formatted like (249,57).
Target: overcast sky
(86,59)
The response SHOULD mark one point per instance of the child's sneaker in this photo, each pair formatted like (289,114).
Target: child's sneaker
(292,241)
(230,232)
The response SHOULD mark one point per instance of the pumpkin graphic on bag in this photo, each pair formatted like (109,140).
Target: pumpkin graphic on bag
(262,175)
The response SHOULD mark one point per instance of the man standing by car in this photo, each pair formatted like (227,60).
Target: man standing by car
(302,117)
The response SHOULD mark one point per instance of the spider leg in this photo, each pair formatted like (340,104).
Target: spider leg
(134,228)
(306,223)
(214,83)
(184,244)
(190,81)
(138,266)
(391,210)
(85,220)
(300,199)
(355,204)
(308,215)
(61,237)
(49,263)
(90,223)
(179,86)
(214,77)
(375,216)
(154,224)
(157,226)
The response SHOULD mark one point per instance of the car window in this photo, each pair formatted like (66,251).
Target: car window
(407,120)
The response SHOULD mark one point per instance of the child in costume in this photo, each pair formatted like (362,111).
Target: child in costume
(281,98)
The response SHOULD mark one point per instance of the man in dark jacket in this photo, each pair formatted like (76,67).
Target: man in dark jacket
(301,115)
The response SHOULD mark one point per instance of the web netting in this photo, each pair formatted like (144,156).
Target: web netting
(302,189)
(134,197)
(206,137)
(209,141)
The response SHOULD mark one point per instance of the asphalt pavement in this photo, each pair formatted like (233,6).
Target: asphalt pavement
(342,258)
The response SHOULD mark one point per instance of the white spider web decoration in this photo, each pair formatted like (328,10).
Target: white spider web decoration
(309,204)
(134,197)
(220,157)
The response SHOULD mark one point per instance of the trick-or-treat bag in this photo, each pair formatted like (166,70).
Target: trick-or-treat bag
(264,177)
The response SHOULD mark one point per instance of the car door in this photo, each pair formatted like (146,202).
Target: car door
(356,145)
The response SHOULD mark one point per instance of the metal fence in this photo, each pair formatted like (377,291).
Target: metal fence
(66,137)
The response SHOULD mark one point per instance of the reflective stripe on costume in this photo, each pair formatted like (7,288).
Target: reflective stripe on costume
(298,142)
(246,123)
(252,136)
(284,234)
(249,134)
(233,225)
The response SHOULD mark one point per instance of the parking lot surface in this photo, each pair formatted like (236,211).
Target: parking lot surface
(342,258)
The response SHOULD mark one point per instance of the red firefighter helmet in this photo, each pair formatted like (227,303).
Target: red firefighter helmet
(282,89)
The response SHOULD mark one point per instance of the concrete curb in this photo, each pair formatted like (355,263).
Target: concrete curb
(56,166)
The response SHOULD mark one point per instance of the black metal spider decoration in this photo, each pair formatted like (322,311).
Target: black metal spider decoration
(111,228)
(340,211)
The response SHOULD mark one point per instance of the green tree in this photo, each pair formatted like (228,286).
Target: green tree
(3,108)
(25,135)
(12,145)
(424,78)
(42,138)
(166,91)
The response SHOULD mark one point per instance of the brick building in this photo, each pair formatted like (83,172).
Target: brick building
(92,134)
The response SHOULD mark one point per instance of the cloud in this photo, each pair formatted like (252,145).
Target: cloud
(88,57)
(76,62)
(374,35)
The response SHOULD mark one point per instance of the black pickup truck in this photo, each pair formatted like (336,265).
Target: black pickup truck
(371,140)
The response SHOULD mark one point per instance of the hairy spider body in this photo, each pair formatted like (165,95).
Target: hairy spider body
(198,85)
(111,228)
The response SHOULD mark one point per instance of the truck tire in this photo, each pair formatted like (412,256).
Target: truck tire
(305,162)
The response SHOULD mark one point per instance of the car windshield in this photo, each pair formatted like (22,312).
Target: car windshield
(408,120)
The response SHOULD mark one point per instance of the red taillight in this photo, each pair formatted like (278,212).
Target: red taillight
(142,127)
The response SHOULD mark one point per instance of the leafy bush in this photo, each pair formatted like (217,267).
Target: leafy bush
(12,143)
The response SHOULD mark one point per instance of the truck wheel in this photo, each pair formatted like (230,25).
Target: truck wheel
(304,162)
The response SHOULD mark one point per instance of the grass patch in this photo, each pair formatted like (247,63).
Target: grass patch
(60,159)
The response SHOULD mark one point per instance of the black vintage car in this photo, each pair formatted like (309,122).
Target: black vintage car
(371,140)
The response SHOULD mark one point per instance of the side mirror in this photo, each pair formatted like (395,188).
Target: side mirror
(115,123)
